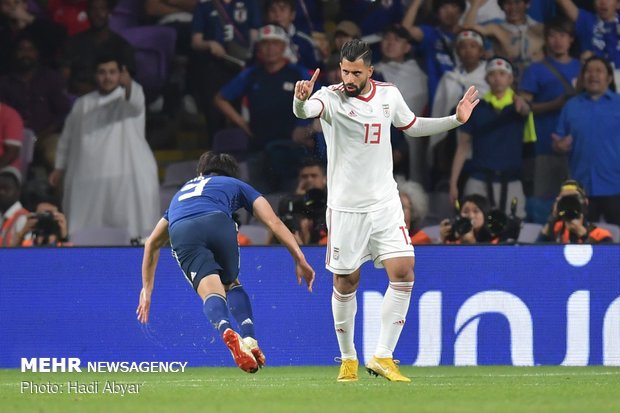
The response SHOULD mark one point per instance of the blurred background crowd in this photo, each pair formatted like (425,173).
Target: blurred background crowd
(105,106)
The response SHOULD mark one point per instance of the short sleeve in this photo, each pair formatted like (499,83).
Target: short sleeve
(403,116)
(236,88)
(12,126)
(563,126)
(248,196)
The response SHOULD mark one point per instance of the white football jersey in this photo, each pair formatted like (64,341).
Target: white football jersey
(359,150)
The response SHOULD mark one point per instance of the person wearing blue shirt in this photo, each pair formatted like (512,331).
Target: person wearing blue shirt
(203,237)
(598,33)
(302,48)
(223,33)
(268,87)
(589,131)
(547,85)
(436,42)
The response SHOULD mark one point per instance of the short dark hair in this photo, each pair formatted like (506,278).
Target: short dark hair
(500,3)
(217,163)
(310,162)
(560,24)
(458,3)
(12,177)
(290,3)
(356,49)
(107,58)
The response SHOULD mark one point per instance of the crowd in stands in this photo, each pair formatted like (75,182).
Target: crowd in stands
(79,80)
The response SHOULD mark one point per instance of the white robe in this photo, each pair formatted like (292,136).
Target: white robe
(449,92)
(110,171)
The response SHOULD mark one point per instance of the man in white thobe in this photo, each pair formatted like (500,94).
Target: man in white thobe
(110,174)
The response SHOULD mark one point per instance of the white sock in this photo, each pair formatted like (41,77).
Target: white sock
(344,308)
(393,313)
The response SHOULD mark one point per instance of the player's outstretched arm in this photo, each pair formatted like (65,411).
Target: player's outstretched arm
(156,240)
(264,212)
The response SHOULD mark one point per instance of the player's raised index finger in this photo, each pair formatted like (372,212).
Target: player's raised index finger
(315,76)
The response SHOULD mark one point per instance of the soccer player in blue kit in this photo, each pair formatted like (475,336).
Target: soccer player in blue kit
(203,237)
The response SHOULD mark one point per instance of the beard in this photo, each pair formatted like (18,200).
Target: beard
(356,91)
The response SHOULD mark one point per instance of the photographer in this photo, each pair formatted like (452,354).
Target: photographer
(303,212)
(567,223)
(46,227)
(470,226)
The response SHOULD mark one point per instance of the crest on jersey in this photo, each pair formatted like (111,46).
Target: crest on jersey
(241,13)
(386,110)
(336,254)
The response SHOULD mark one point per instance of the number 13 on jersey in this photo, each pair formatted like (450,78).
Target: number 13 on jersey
(372,133)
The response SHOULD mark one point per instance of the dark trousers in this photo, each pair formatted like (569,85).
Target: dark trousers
(607,207)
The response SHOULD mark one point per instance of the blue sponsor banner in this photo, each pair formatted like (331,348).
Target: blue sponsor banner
(471,305)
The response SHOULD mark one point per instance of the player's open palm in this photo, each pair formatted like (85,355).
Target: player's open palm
(467,104)
(305,271)
(304,88)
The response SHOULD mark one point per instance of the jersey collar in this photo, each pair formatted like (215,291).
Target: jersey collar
(373,90)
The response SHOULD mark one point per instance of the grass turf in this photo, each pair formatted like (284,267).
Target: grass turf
(314,389)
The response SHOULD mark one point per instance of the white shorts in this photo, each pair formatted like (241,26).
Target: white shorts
(356,237)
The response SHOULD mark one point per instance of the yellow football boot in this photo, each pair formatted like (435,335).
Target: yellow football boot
(348,370)
(385,367)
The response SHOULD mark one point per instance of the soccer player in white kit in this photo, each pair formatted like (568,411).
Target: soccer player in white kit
(364,215)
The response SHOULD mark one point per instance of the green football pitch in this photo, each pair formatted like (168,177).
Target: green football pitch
(314,389)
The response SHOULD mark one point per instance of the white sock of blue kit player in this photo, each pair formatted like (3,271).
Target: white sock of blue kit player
(217,312)
(344,308)
(393,313)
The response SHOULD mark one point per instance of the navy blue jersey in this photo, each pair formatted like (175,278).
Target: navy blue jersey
(208,194)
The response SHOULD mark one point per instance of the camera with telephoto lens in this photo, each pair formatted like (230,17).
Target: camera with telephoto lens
(311,205)
(504,227)
(569,207)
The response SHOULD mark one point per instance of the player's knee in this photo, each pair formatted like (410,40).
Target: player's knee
(345,284)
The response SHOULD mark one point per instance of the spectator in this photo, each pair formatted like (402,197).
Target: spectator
(589,131)
(397,67)
(470,71)
(46,227)
(345,30)
(372,16)
(105,159)
(309,16)
(13,215)
(415,206)
(494,137)
(176,14)
(302,48)
(488,12)
(547,85)
(81,51)
(567,223)
(11,136)
(470,226)
(519,38)
(598,32)
(16,20)
(268,87)
(222,38)
(303,212)
(436,41)
(37,93)
(72,14)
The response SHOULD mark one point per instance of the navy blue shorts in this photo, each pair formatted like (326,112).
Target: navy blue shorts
(206,245)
